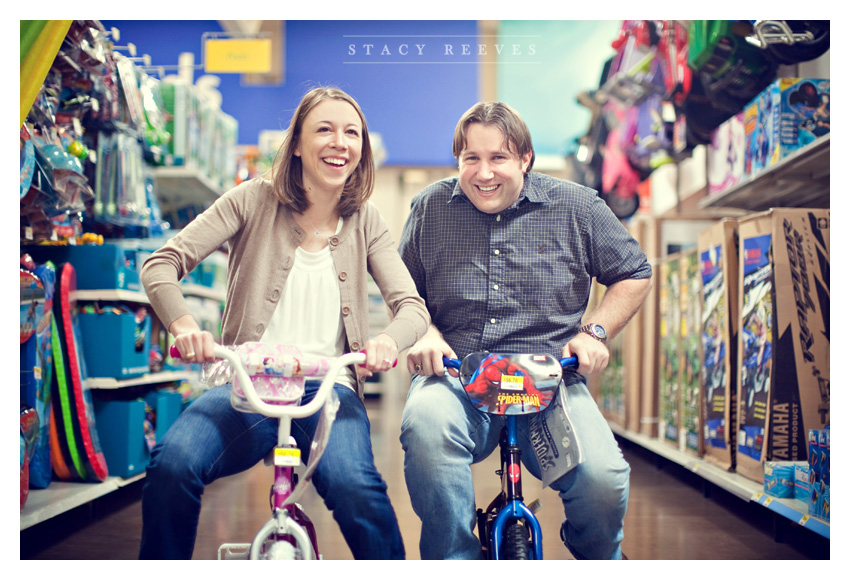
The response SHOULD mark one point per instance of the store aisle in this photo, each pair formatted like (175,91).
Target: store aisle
(669,517)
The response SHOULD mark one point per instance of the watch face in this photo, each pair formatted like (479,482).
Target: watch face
(599,331)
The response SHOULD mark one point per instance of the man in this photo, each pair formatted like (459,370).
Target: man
(504,259)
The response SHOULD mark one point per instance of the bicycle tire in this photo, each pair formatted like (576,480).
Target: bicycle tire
(282,550)
(516,544)
(802,51)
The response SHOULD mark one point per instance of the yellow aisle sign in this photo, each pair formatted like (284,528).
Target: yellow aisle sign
(238,55)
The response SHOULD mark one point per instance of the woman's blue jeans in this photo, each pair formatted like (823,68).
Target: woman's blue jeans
(210,440)
(443,435)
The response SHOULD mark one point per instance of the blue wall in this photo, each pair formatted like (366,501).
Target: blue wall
(411,86)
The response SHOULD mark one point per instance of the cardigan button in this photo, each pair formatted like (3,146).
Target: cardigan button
(346,310)
(355,346)
(260,329)
(343,276)
(275,294)
(334,240)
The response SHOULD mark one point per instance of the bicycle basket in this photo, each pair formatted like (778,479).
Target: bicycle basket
(277,372)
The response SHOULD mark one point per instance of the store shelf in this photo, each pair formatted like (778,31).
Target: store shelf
(63,496)
(736,484)
(185,185)
(799,180)
(146,379)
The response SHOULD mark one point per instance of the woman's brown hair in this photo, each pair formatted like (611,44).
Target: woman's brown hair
(286,170)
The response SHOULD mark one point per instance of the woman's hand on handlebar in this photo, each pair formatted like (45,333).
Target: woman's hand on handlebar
(195,345)
(426,356)
(592,355)
(381,354)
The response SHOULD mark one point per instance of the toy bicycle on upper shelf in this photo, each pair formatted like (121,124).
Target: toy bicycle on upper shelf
(510,385)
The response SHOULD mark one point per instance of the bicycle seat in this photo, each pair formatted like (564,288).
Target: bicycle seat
(510,384)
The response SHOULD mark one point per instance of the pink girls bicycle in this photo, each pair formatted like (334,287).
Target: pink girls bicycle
(270,379)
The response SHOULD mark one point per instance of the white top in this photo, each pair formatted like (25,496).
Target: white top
(308,315)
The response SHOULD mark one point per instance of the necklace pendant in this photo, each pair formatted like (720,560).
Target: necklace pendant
(317,233)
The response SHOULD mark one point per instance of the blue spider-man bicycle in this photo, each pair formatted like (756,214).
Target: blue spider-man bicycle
(510,385)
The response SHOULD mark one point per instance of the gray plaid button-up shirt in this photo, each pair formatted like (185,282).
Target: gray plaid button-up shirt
(518,281)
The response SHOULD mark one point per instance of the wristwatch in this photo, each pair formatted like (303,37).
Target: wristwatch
(596,331)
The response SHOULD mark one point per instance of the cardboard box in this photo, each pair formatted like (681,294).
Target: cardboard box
(115,344)
(753,152)
(783,344)
(669,361)
(648,422)
(718,249)
(104,267)
(129,429)
(779,478)
(802,487)
(690,354)
(819,467)
(659,238)
(121,430)
(796,111)
(726,154)
(167,406)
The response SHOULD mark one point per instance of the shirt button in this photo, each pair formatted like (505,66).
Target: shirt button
(492,321)
(495,287)
(499,218)
(496,252)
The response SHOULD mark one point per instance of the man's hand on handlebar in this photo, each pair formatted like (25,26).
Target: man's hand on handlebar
(592,355)
(426,356)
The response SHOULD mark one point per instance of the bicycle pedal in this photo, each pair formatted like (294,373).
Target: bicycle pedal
(535,506)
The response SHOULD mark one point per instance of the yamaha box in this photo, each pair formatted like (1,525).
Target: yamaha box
(783,343)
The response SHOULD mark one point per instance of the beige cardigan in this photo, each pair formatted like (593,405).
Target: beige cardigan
(261,236)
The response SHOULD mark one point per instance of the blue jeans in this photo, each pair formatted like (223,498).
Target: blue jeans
(211,440)
(442,435)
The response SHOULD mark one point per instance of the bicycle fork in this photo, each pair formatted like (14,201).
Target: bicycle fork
(514,508)
(289,523)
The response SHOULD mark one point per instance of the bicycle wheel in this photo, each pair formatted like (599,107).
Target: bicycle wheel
(516,544)
(282,550)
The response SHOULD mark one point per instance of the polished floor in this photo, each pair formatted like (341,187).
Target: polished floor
(672,515)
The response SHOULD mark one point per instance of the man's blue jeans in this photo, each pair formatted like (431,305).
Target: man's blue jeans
(211,440)
(443,435)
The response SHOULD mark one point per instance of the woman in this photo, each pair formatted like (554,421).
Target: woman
(302,242)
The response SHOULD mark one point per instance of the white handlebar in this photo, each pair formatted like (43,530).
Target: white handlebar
(293,411)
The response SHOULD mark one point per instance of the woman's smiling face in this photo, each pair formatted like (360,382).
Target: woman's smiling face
(330,145)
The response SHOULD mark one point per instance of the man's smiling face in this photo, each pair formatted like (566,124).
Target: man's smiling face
(491,173)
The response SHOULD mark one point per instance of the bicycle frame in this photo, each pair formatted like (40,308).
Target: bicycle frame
(289,528)
(508,508)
